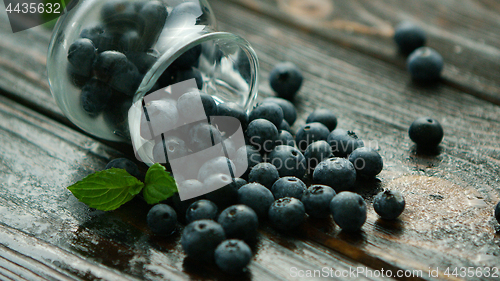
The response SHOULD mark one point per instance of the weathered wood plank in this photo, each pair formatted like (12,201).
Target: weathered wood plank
(465,33)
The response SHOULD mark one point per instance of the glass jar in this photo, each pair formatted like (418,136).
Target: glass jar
(153,44)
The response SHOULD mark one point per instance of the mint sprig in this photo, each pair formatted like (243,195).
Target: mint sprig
(109,189)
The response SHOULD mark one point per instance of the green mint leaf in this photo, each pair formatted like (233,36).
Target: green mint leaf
(107,190)
(160,185)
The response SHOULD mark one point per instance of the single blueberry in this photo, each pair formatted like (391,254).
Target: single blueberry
(240,182)
(268,111)
(102,39)
(367,162)
(289,112)
(426,132)
(153,16)
(425,65)
(286,79)
(286,213)
(120,16)
(95,96)
(337,173)
(246,158)
(239,221)
(201,210)
(225,190)
(348,210)
(257,197)
(288,187)
(310,133)
(200,238)
(286,138)
(389,204)
(232,256)
(265,174)
(81,56)
(316,152)
(108,63)
(343,142)
(325,117)
(409,36)
(289,161)
(162,219)
(126,79)
(127,165)
(262,134)
(317,200)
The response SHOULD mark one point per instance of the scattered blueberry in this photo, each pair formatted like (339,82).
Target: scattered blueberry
(289,112)
(95,96)
(310,133)
(316,152)
(162,219)
(239,221)
(286,213)
(201,210)
(409,37)
(289,161)
(425,65)
(285,138)
(348,210)
(265,174)
(81,55)
(367,162)
(426,132)
(389,204)
(288,187)
(323,116)
(262,134)
(200,238)
(232,256)
(338,173)
(286,79)
(317,200)
(343,142)
(268,111)
(127,165)
(257,197)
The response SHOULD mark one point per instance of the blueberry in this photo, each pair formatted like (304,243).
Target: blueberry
(257,197)
(286,79)
(200,238)
(246,158)
(218,165)
(224,196)
(81,55)
(389,204)
(317,200)
(181,206)
(127,165)
(126,80)
(288,187)
(76,79)
(284,126)
(425,65)
(337,173)
(426,132)
(193,73)
(287,213)
(325,117)
(103,40)
(289,161)
(262,134)
(189,58)
(240,182)
(497,212)
(239,221)
(189,106)
(367,162)
(343,142)
(201,210)
(289,112)
(162,116)
(310,133)
(162,219)
(317,152)
(95,96)
(203,136)
(232,256)
(265,174)
(286,138)
(169,148)
(153,14)
(109,63)
(142,60)
(119,15)
(268,111)
(409,37)
(233,110)
(348,210)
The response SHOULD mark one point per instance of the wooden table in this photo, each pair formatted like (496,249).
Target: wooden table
(351,66)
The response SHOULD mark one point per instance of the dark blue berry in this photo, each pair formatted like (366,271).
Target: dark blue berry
(240,182)
(289,161)
(288,187)
(286,79)
(262,134)
(317,152)
(323,116)
(257,197)
(310,133)
(239,221)
(286,213)
(200,238)
(181,206)
(286,138)
(201,210)
(225,190)
(218,165)
(284,126)
(232,256)
(426,132)
(268,111)
(338,173)
(246,158)
(121,74)
(367,162)
(127,165)
(348,210)
(81,56)
(409,37)
(169,148)
(497,212)
(162,219)
(95,96)
(103,40)
(317,200)
(343,142)
(265,174)
(389,204)
(425,65)
(153,15)
(289,112)
(119,15)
